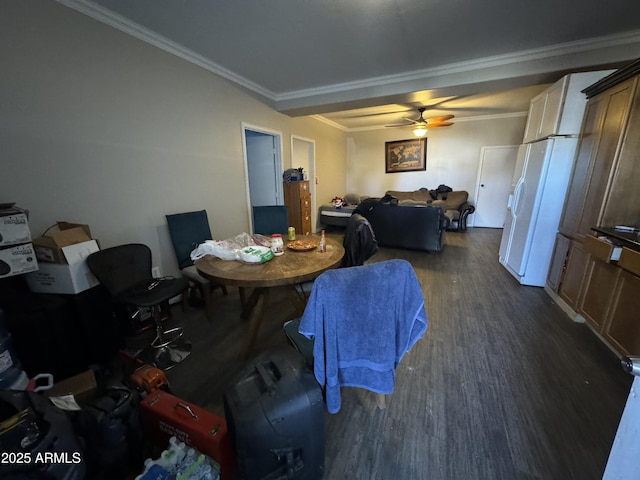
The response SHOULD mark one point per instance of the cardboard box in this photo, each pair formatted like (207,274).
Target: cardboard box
(70,278)
(82,387)
(17,260)
(14,227)
(49,246)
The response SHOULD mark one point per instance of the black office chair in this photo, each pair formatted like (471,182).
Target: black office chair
(125,271)
(188,230)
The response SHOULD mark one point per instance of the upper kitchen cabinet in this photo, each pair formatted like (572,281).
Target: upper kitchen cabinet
(559,109)
(604,188)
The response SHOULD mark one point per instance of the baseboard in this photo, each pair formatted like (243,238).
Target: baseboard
(564,306)
(576,317)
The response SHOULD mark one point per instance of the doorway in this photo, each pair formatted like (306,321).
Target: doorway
(263,167)
(494,181)
(303,155)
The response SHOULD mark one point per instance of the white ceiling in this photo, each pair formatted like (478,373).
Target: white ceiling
(366,63)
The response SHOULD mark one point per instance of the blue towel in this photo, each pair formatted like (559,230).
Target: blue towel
(363,319)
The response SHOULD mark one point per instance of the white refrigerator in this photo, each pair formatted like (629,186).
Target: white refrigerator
(536,201)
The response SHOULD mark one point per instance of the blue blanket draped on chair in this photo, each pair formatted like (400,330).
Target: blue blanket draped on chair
(363,320)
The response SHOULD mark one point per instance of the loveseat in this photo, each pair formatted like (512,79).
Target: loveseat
(415,226)
(455,204)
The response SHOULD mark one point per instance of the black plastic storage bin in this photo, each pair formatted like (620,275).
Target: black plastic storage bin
(275,417)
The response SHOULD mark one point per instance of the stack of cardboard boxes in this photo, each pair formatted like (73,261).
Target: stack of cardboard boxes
(62,252)
(17,255)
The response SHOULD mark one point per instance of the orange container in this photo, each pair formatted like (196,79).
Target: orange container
(164,415)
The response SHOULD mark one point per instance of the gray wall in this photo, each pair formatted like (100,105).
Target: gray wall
(100,128)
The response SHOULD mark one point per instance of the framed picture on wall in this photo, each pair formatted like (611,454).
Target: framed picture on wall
(405,155)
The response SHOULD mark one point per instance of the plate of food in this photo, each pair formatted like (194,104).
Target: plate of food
(302,245)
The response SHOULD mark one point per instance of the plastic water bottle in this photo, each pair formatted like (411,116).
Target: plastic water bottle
(10,367)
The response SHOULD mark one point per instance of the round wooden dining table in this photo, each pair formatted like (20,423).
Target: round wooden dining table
(287,270)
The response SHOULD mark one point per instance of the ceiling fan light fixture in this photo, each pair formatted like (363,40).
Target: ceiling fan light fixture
(420,131)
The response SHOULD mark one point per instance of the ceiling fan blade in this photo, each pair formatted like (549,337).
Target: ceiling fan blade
(377,114)
(441,124)
(443,118)
(426,122)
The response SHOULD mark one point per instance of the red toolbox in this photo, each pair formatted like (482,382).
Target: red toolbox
(164,415)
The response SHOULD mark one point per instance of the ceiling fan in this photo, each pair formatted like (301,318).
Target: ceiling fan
(420,125)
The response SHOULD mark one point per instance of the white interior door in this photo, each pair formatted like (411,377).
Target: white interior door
(263,167)
(497,165)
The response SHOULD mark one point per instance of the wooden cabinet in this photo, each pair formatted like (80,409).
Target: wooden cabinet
(623,329)
(559,109)
(603,188)
(297,198)
(603,191)
(558,259)
(610,304)
(611,298)
(603,291)
(575,268)
(600,288)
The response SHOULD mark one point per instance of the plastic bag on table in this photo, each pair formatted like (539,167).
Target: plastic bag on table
(231,248)
(256,254)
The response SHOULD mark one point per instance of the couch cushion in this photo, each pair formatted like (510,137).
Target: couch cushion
(417,195)
(411,201)
(455,199)
(422,196)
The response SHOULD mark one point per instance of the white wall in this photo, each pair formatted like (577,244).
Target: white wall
(453,155)
(100,128)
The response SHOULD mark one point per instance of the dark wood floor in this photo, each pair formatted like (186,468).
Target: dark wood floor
(502,386)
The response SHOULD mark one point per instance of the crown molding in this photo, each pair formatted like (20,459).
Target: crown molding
(543,53)
(476,118)
(331,123)
(613,79)
(289,101)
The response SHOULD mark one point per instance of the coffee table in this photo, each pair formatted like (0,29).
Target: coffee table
(289,270)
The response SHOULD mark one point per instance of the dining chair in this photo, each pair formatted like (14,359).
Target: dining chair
(187,231)
(358,324)
(125,271)
(270,219)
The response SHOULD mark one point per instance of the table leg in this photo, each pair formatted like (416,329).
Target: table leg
(261,297)
(298,299)
(248,304)
(243,296)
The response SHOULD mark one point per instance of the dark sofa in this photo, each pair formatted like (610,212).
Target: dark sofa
(455,204)
(412,226)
